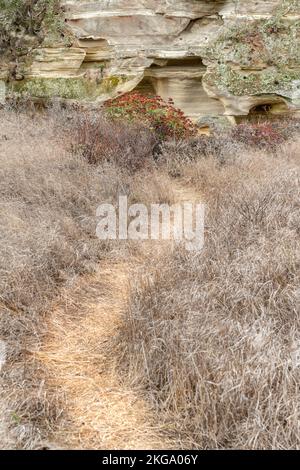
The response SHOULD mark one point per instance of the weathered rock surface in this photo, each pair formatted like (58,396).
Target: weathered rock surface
(212,57)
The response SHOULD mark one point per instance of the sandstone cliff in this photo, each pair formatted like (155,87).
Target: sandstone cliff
(214,58)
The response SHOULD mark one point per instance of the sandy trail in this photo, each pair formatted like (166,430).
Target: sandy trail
(99,411)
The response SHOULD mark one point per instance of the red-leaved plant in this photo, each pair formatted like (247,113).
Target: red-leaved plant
(161,116)
(260,135)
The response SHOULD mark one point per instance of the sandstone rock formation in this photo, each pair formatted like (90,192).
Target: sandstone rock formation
(214,58)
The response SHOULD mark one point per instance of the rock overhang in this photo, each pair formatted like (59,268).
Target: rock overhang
(118,44)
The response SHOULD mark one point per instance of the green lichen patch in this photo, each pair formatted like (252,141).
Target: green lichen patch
(32,18)
(67,88)
(257,44)
(239,83)
(27,25)
(76,88)
(111,82)
(257,56)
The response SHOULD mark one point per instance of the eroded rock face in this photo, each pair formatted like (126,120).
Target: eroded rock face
(212,57)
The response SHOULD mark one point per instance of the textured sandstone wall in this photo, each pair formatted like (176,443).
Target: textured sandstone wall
(212,57)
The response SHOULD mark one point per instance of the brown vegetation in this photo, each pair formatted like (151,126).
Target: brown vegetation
(204,344)
(214,336)
(49,197)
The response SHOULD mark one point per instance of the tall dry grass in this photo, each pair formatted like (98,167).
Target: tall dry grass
(49,194)
(213,338)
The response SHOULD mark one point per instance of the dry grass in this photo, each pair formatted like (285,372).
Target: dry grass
(98,411)
(49,197)
(123,345)
(213,337)
(101,140)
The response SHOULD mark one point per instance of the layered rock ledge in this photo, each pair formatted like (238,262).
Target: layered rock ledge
(214,58)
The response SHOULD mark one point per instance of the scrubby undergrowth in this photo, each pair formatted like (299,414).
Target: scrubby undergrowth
(49,196)
(211,339)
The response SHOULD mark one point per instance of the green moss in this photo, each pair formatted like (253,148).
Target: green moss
(112,82)
(68,88)
(35,18)
(257,57)
(26,26)
(239,83)
(275,41)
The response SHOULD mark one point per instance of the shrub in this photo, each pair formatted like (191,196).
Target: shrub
(226,144)
(98,140)
(264,135)
(175,154)
(161,116)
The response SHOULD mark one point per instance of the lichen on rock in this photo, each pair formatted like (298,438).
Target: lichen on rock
(211,57)
(26,26)
(257,57)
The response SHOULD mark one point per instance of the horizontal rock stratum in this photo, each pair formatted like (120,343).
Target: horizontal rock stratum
(213,58)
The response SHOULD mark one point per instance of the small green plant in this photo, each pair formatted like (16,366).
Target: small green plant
(15,418)
(162,117)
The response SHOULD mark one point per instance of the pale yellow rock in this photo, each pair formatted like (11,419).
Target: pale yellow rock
(57,62)
(160,45)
